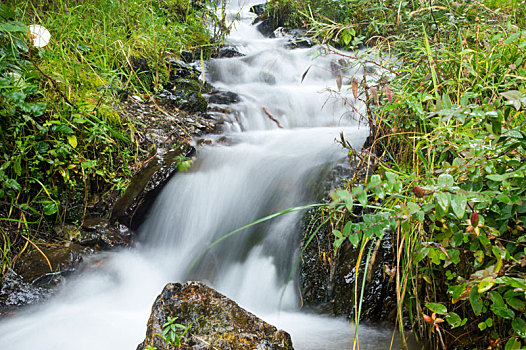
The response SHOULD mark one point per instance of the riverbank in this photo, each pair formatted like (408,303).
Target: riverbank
(112,91)
(447,149)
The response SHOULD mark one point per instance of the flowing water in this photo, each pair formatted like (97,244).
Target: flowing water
(258,170)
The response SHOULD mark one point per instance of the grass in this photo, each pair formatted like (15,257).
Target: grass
(447,127)
(62,141)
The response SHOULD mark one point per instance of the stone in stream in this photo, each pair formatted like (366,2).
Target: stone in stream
(229,52)
(223,97)
(31,280)
(132,208)
(267,28)
(217,322)
(258,9)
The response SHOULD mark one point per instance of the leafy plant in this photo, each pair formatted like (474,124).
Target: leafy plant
(173,332)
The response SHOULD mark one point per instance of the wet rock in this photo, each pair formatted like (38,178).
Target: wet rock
(223,97)
(189,101)
(229,52)
(258,9)
(143,71)
(328,284)
(301,43)
(99,233)
(15,292)
(217,322)
(191,85)
(132,208)
(32,280)
(180,69)
(267,28)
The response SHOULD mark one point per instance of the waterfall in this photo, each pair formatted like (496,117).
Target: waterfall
(255,169)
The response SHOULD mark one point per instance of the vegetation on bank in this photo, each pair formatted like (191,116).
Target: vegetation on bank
(63,145)
(448,134)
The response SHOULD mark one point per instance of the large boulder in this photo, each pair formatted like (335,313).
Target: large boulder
(216,321)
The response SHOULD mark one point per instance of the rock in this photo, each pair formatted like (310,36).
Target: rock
(99,233)
(258,9)
(15,292)
(189,101)
(267,78)
(216,321)
(267,27)
(180,69)
(223,97)
(132,208)
(143,71)
(329,287)
(31,280)
(301,43)
(229,52)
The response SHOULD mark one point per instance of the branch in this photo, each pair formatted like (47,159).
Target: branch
(272,118)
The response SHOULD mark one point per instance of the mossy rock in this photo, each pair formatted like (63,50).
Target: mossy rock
(216,321)
(191,85)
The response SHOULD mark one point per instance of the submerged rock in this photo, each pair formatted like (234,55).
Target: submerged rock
(267,28)
(216,321)
(223,97)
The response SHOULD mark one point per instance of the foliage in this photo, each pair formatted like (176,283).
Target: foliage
(173,332)
(447,115)
(62,141)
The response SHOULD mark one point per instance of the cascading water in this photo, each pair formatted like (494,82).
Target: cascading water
(260,170)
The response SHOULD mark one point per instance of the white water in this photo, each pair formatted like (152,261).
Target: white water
(261,170)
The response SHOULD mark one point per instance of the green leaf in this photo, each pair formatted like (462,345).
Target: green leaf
(13,184)
(355,239)
(445,181)
(496,298)
(362,197)
(442,200)
(495,177)
(36,109)
(486,284)
(512,344)
(13,27)
(515,303)
(512,282)
(72,140)
(476,302)
(347,229)
(49,208)
(438,308)
(453,319)
(503,312)
(519,326)
(458,204)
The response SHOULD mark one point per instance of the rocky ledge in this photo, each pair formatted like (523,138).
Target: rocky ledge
(216,322)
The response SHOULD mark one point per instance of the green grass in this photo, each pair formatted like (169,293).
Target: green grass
(62,140)
(448,127)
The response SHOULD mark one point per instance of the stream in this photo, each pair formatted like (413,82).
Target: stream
(254,169)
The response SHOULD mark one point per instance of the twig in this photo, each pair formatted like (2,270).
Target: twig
(330,49)
(40,251)
(272,118)
(55,84)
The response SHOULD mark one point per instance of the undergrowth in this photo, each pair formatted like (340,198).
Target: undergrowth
(62,143)
(448,150)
